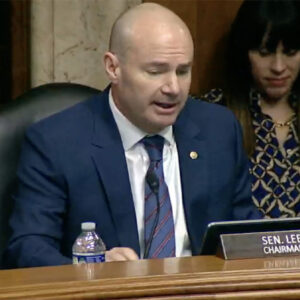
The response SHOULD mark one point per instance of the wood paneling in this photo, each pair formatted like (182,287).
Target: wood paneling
(5,71)
(209,22)
(14,49)
(20,31)
(202,277)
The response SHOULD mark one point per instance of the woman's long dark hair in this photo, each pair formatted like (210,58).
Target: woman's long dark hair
(258,20)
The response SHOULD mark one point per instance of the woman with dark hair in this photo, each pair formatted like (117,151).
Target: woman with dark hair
(263,90)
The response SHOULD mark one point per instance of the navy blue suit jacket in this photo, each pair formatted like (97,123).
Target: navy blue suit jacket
(73,169)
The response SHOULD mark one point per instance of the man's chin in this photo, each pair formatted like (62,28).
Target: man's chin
(156,127)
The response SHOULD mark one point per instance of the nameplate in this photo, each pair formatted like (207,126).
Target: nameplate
(260,244)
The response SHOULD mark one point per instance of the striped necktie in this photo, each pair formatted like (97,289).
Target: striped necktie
(159,232)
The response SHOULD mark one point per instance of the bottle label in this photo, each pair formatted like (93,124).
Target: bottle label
(87,259)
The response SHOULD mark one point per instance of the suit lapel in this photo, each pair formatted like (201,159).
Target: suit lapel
(193,161)
(109,158)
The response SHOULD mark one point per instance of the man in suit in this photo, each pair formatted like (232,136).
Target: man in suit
(88,163)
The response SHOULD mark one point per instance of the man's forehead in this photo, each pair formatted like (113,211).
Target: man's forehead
(165,43)
(145,23)
(164,63)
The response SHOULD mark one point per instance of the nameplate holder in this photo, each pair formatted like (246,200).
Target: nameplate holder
(260,244)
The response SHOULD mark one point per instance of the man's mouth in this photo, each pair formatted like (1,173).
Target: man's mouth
(165,105)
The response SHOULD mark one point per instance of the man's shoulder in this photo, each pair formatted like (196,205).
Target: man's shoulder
(78,114)
(73,122)
(199,108)
(212,120)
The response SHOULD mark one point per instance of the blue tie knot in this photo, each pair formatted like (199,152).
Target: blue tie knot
(154,146)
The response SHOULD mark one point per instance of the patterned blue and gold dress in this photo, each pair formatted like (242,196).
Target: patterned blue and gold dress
(275,171)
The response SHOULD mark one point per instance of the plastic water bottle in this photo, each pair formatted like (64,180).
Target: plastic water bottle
(88,247)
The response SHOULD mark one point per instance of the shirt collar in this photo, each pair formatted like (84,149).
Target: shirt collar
(131,134)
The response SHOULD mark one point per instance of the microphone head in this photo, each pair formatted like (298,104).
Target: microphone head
(153,181)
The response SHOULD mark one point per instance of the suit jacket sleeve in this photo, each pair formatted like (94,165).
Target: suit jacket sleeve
(40,207)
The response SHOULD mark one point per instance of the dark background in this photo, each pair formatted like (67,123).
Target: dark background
(14,49)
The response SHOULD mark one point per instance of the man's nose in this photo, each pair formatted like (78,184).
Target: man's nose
(171,86)
(278,64)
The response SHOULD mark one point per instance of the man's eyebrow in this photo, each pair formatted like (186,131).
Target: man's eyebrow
(186,65)
(156,63)
(163,64)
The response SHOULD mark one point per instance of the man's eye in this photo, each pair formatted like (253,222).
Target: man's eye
(154,72)
(183,72)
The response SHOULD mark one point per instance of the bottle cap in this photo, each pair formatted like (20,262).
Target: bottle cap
(88,226)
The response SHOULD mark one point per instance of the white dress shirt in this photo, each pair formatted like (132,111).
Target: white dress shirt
(138,162)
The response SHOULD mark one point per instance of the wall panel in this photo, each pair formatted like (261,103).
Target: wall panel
(209,22)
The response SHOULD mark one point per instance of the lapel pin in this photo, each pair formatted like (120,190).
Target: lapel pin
(193,155)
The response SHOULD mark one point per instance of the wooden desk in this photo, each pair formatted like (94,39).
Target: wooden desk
(204,277)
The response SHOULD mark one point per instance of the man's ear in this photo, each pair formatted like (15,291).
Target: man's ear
(112,66)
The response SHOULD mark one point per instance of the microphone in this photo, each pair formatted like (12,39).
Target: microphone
(153,183)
